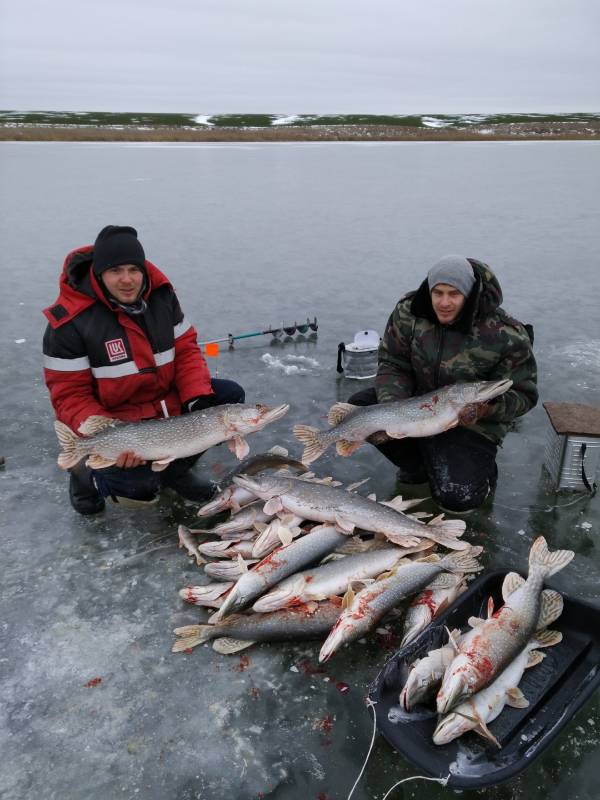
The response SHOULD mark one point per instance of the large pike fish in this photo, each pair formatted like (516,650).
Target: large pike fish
(475,713)
(329,580)
(234,497)
(163,440)
(347,511)
(281,563)
(243,630)
(493,643)
(367,607)
(426,415)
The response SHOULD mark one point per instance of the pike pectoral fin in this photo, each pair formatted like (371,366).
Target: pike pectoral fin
(273,506)
(344,524)
(161,464)
(239,446)
(346,448)
(483,730)
(99,462)
(228,646)
(516,699)
(395,435)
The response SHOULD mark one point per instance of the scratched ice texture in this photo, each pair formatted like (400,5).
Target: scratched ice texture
(93,703)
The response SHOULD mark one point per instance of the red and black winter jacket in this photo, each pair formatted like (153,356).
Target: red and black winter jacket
(99,360)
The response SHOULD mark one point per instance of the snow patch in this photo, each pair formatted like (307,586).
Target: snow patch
(285,120)
(288,364)
(203,119)
(434,122)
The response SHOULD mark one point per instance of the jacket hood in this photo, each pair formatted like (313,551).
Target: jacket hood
(79,288)
(484,299)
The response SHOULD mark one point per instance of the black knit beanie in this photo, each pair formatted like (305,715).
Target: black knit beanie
(116,245)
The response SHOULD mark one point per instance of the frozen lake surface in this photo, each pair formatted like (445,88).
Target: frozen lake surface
(92,702)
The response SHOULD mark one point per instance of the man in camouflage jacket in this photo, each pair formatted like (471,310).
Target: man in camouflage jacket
(451,330)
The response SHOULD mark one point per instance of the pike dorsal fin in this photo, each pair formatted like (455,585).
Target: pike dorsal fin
(551,608)
(511,583)
(228,646)
(95,424)
(339,412)
(443,581)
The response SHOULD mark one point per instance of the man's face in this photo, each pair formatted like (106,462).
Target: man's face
(447,303)
(124,282)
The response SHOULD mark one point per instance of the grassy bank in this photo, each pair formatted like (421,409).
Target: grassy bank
(140,127)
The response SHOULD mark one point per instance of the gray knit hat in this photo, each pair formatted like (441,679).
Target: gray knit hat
(455,271)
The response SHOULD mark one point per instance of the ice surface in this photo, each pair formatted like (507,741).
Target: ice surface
(92,702)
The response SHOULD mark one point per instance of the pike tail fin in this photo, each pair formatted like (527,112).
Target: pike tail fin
(192,635)
(543,560)
(463,562)
(68,441)
(447,533)
(314,441)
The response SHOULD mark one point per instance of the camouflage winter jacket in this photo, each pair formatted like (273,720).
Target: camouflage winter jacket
(418,354)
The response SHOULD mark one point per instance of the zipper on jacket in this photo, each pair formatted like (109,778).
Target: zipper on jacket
(438,360)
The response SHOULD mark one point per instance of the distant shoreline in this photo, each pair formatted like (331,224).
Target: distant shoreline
(520,131)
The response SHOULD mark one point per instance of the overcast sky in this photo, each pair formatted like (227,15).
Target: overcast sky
(300,56)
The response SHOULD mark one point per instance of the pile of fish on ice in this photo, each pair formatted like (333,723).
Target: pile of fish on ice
(282,524)
(287,523)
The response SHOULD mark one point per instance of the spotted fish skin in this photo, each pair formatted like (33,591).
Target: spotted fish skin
(493,643)
(426,415)
(163,440)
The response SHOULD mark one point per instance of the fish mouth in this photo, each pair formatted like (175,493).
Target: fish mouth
(268,414)
(450,695)
(448,729)
(213,507)
(493,389)
(332,643)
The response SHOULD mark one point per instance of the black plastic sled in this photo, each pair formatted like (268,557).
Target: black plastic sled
(556,689)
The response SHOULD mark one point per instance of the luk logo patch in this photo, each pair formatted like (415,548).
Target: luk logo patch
(116,350)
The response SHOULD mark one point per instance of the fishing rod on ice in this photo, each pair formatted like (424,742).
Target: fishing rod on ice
(278,333)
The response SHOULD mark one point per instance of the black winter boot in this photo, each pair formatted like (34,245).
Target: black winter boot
(84,496)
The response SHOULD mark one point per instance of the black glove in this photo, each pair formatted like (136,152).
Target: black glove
(199,403)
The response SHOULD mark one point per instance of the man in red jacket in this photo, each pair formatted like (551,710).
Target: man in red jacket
(118,345)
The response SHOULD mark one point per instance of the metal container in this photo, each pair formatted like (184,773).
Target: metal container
(572,458)
(358,360)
